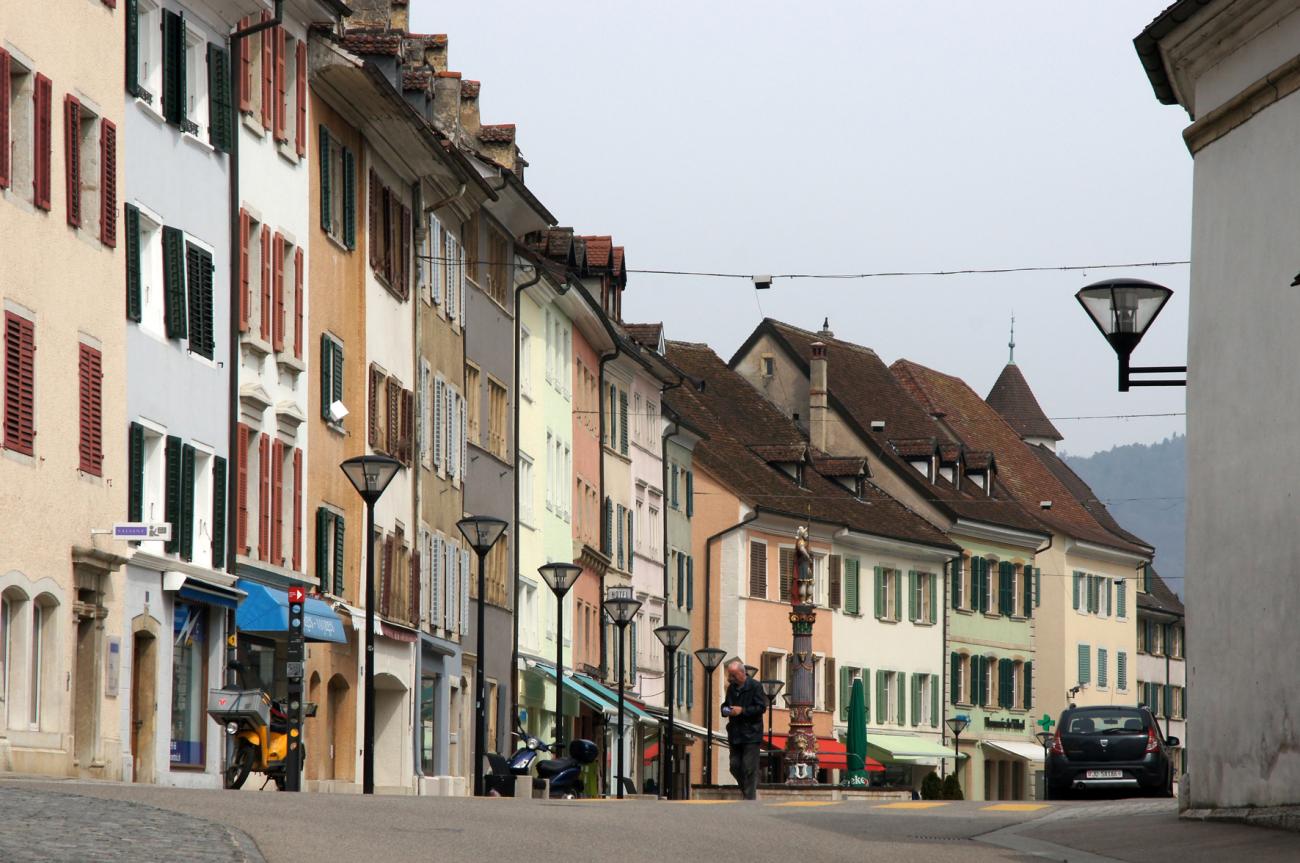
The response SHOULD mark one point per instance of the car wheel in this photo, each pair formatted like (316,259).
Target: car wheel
(1058,792)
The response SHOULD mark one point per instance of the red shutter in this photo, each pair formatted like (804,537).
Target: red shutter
(245,288)
(281,87)
(72,157)
(263,496)
(41,141)
(277,503)
(268,74)
(4,119)
(301,131)
(20,384)
(90,402)
(245,69)
(298,302)
(277,292)
(111,4)
(266,283)
(386,600)
(241,490)
(297,510)
(108,184)
(376,381)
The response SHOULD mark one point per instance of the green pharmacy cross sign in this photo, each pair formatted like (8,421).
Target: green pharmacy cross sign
(1046,722)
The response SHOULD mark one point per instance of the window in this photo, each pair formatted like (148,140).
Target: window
(41,646)
(525,362)
(18,106)
(525,489)
(7,607)
(330,561)
(338,195)
(144,38)
(889,593)
(768,365)
(956,593)
(196,84)
(496,281)
(472,390)
(785,568)
(331,378)
(390,237)
(90,431)
(498,421)
(199,270)
(90,171)
(921,597)
(189,684)
(20,384)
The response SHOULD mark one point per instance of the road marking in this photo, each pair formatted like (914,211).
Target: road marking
(913,804)
(1014,807)
(807,803)
(704,802)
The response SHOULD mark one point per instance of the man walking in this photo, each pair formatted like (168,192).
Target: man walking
(744,706)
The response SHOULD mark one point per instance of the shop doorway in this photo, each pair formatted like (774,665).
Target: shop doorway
(144,705)
(341,763)
(85,698)
(390,730)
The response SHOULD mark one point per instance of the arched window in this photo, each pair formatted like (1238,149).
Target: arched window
(43,655)
(14,609)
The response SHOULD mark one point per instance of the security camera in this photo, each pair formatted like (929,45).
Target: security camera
(338,411)
(877,425)
(1044,504)
(762,283)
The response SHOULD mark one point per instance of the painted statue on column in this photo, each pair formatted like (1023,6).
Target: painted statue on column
(801,743)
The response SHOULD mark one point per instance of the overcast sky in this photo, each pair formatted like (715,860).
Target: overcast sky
(846,137)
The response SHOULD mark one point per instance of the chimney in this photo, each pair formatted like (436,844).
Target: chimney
(378,15)
(818,412)
(826,329)
(498,144)
(469,108)
(446,102)
(435,52)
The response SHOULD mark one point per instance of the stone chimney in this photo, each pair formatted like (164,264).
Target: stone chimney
(818,411)
(446,102)
(498,144)
(469,121)
(435,52)
(379,15)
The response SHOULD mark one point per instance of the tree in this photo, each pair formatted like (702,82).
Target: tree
(952,788)
(932,787)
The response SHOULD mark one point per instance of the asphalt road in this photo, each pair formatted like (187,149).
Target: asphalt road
(293,828)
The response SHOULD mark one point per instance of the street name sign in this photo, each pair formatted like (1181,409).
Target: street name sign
(143,531)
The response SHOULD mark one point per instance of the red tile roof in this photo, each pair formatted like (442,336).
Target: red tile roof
(949,453)
(373,42)
(915,447)
(619,264)
(416,79)
(1160,598)
(469,89)
(738,420)
(645,335)
(501,133)
(1012,397)
(838,466)
(1028,480)
(600,250)
(1082,492)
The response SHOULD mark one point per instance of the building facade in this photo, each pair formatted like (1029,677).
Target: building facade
(1162,661)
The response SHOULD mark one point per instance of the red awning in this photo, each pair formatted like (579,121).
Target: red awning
(831,754)
(651,753)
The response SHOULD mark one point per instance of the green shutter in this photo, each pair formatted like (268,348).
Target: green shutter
(187,502)
(935,683)
(1038,587)
(218,512)
(900,680)
(911,595)
(1103,667)
(916,699)
(337,371)
(607,545)
(135,477)
(132,12)
(880,593)
(172,496)
(174,282)
(934,609)
(134,294)
(622,422)
(865,677)
(220,107)
(326,375)
(882,699)
(349,199)
(326,217)
(1121,599)
(979,583)
(954,678)
(851,585)
(324,527)
(1121,670)
(898,594)
(1077,578)
(1029,685)
(174,67)
(198,277)
(1027,588)
(954,567)
(1085,664)
(690,493)
(1005,602)
(339,531)
(846,681)
(690,583)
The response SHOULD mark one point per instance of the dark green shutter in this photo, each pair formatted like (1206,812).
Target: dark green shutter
(135,478)
(851,585)
(954,678)
(622,422)
(1029,685)
(846,682)
(934,701)
(681,579)
(608,543)
(134,295)
(955,569)
(218,512)
(690,493)
(220,104)
(326,217)
(911,595)
(337,392)
(326,376)
(934,609)
(132,17)
(174,282)
(1027,588)
(198,275)
(916,699)
(174,67)
(690,583)
(1004,588)
(187,502)
(324,527)
(172,498)
(349,199)
(880,594)
(901,680)
(338,554)
(882,697)
(866,690)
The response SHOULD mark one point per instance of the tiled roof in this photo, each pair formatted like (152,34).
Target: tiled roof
(1012,397)
(373,42)
(1027,479)
(737,420)
(861,385)
(416,79)
(1160,597)
(1082,492)
(780,453)
(501,133)
(645,335)
(979,460)
(429,38)
(949,453)
(839,465)
(600,250)
(469,89)
(619,264)
(913,447)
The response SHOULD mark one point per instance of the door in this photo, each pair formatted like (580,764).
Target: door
(85,705)
(144,707)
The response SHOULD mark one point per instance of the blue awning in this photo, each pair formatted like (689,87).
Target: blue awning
(209,595)
(265,611)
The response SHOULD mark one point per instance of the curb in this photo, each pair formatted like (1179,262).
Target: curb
(1273,817)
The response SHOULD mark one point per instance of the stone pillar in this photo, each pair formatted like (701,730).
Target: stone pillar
(801,743)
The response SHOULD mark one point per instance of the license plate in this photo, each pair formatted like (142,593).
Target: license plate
(1105,774)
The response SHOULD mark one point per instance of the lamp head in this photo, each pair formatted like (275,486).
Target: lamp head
(481,531)
(771,688)
(370,474)
(957,725)
(710,657)
(1123,309)
(671,636)
(621,606)
(560,576)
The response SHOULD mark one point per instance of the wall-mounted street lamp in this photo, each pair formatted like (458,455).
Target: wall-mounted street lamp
(1123,309)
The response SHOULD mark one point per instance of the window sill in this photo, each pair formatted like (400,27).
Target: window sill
(288,152)
(290,363)
(194,140)
(252,124)
(337,243)
(966,611)
(254,344)
(150,111)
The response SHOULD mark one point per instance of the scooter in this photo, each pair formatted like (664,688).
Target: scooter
(260,729)
(561,775)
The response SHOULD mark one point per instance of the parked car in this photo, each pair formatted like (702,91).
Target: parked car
(1110,748)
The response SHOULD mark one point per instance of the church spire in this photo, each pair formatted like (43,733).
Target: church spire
(1012,344)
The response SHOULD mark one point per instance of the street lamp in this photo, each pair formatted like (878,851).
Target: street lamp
(621,607)
(559,577)
(710,658)
(771,688)
(957,725)
(750,671)
(370,475)
(481,532)
(1045,739)
(1123,309)
(671,637)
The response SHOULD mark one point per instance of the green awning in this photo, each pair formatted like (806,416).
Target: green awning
(629,708)
(900,747)
(575,684)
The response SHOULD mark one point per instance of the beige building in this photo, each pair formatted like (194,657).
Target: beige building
(64,428)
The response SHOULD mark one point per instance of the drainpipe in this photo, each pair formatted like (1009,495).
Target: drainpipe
(514,595)
(606,541)
(676,426)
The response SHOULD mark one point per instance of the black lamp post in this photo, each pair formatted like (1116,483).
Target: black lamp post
(1045,739)
(710,658)
(481,532)
(559,577)
(621,606)
(671,637)
(370,475)
(1123,309)
(771,688)
(957,725)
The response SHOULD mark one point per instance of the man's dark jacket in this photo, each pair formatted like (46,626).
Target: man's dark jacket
(748,726)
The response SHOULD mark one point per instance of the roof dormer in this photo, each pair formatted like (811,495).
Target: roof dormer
(920,453)
(981,470)
(790,459)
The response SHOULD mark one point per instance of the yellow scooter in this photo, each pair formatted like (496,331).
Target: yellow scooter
(260,730)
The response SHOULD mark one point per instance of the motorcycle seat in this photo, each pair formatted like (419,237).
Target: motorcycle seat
(555,766)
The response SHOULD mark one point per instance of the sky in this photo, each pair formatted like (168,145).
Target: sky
(854,137)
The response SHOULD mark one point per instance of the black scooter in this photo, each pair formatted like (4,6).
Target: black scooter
(562,775)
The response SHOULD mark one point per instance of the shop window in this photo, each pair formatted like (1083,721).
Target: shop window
(428,694)
(189,685)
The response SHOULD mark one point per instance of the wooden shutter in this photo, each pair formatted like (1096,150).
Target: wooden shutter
(72,157)
(90,377)
(881,606)
(1027,688)
(833,567)
(264,498)
(1077,578)
(690,583)
(374,219)
(323,163)
(954,593)
(376,383)
(187,502)
(1121,599)
(845,691)
(296,555)
(900,690)
(174,282)
(300,130)
(241,489)
(339,559)
(245,286)
(324,531)
(268,74)
(690,493)
(607,541)
(336,391)
(278,50)
(20,384)
(622,422)
(386,575)
(220,109)
(135,472)
(266,283)
(276,555)
(299,301)
(916,699)
(954,678)
(107,183)
(198,276)
(172,496)
(757,569)
(42,141)
(349,199)
(439,432)
(174,102)
(785,566)
(913,610)
(1027,590)
(408,427)
(393,428)
(277,292)
(326,375)
(6,174)
(218,512)
(413,581)
(852,586)
(245,70)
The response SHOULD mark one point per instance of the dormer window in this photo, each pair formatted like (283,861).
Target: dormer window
(946,472)
(976,476)
(922,467)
